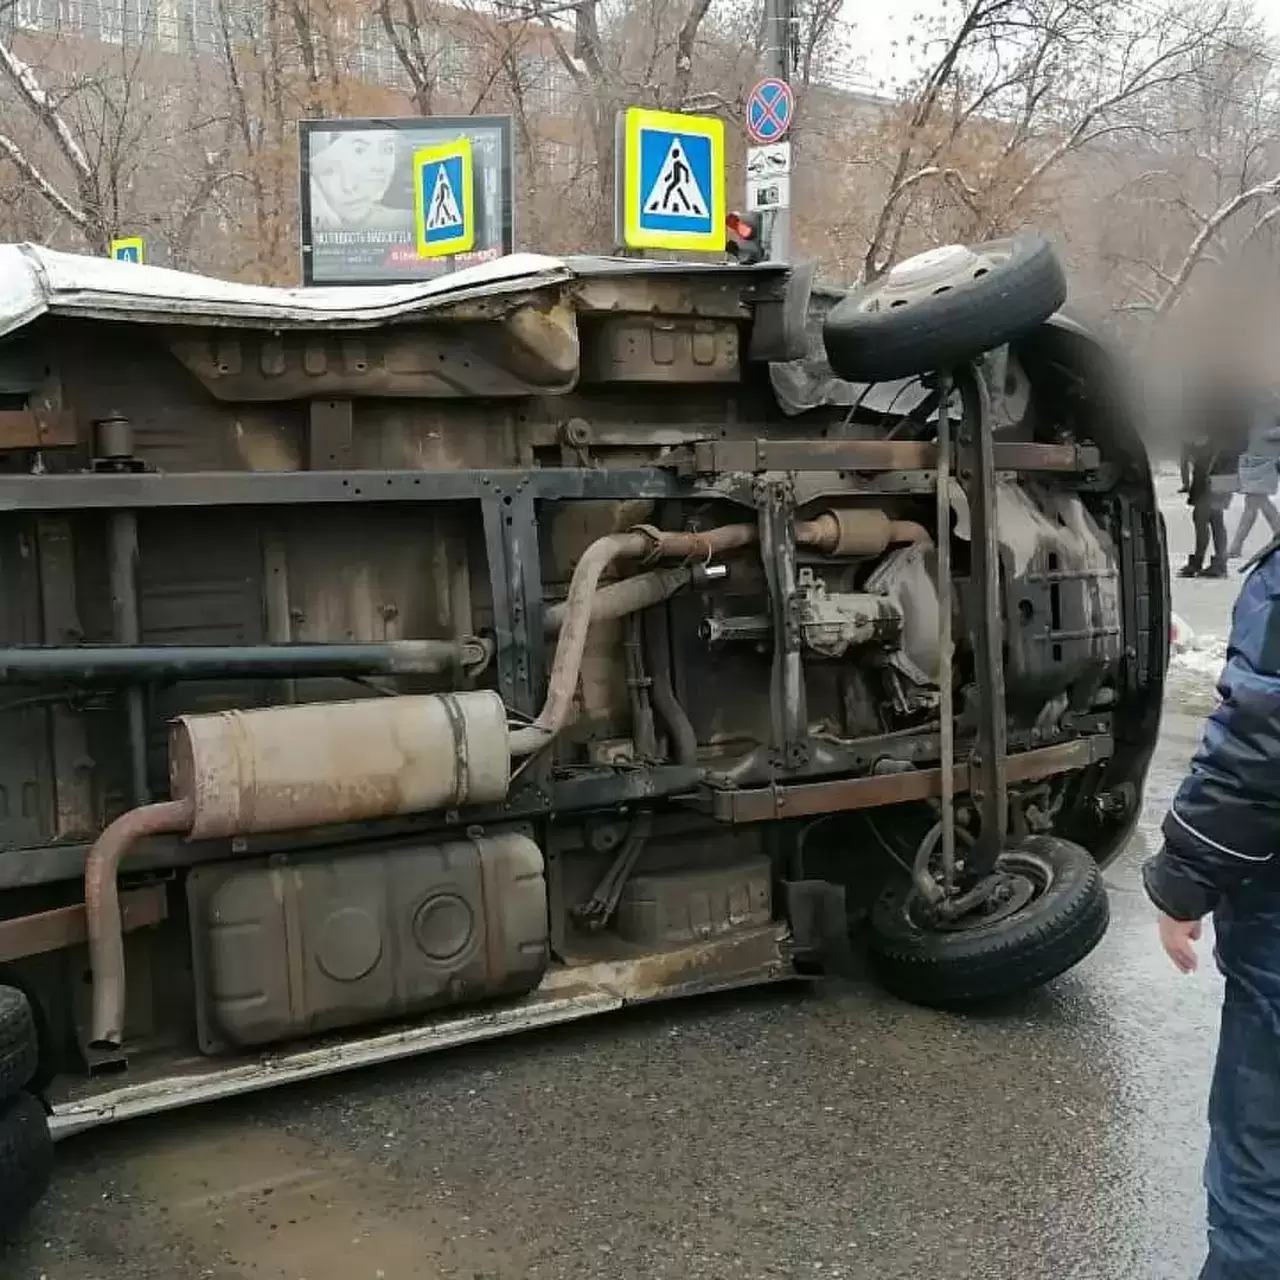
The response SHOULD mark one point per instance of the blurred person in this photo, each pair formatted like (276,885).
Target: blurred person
(1209,481)
(351,173)
(1219,423)
(1258,475)
(1219,856)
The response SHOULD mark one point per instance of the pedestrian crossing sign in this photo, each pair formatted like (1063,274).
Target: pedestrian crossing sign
(128,249)
(444,199)
(671,192)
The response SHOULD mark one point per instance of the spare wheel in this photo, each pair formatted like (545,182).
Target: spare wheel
(943,308)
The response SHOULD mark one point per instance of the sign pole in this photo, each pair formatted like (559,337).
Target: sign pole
(777,232)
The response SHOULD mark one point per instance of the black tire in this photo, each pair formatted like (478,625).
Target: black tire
(980,961)
(26,1159)
(19,1047)
(900,327)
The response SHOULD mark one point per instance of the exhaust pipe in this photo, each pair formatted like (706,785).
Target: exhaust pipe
(641,543)
(285,768)
(102,908)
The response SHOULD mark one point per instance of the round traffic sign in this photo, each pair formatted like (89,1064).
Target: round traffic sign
(770,109)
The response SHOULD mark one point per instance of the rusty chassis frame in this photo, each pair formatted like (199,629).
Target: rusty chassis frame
(760,473)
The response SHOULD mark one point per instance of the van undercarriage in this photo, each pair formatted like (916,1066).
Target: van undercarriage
(395,669)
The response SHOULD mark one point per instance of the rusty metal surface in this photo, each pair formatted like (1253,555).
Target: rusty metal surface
(75,815)
(565,994)
(566,666)
(330,431)
(282,768)
(628,595)
(661,349)
(465,358)
(643,543)
(28,429)
(68,926)
(28,780)
(714,964)
(102,909)
(762,804)
(877,455)
(684,294)
(988,785)
(363,936)
(106,1099)
(946,639)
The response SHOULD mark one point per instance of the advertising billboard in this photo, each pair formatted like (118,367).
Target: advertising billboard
(358,196)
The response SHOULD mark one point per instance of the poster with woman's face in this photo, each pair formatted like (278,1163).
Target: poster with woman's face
(357,196)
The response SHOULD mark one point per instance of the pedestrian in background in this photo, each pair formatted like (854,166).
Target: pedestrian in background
(1258,477)
(1209,468)
(1221,837)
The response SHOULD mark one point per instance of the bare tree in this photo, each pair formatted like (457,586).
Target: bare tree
(1207,192)
(75,193)
(413,28)
(1017,88)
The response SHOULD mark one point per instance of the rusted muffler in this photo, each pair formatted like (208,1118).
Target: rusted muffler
(285,768)
(324,763)
(858,531)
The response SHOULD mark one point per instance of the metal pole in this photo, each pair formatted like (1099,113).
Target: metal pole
(991,783)
(777,36)
(125,664)
(946,645)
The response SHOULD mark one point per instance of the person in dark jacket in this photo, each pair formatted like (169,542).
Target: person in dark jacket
(1221,838)
(1209,472)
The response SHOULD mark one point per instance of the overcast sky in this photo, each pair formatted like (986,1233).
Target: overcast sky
(877,24)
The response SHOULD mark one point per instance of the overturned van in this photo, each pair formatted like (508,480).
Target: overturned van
(386,669)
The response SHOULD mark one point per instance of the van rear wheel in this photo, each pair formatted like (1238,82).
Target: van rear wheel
(19,1049)
(1053,913)
(26,1159)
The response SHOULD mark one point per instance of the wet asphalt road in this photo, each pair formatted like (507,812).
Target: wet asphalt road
(778,1133)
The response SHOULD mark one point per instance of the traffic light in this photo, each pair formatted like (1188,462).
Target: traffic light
(745,241)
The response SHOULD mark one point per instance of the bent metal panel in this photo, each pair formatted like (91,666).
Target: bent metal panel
(357,201)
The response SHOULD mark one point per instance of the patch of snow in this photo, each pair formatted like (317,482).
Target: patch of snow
(1207,657)
(1194,671)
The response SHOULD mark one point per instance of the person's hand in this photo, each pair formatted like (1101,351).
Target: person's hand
(1179,938)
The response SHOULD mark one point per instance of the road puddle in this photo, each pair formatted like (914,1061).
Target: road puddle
(259,1203)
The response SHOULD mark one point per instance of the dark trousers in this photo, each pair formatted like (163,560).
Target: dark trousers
(1242,1173)
(1208,516)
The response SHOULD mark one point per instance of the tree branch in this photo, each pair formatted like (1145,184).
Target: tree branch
(1200,244)
(47,191)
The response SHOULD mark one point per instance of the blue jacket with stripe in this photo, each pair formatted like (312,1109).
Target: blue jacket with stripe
(1224,826)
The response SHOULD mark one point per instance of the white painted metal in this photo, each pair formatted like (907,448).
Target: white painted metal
(35,280)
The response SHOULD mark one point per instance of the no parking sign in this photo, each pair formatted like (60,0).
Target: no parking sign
(770,110)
